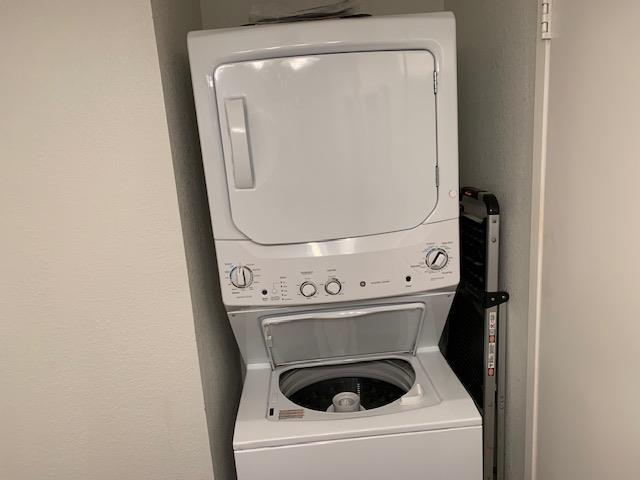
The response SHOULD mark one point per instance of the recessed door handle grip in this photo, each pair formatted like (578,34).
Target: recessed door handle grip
(239,136)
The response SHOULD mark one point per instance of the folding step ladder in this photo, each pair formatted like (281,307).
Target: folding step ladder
(474,338)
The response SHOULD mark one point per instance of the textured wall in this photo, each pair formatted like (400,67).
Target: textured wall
(219,356)
(217,14)
(99,375)
(496,66)
(588,420)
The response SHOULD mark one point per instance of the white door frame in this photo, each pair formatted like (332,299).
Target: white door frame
(538,172)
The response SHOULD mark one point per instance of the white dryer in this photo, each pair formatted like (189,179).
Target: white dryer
(330,155)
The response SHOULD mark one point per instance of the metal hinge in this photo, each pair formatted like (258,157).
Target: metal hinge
(437,176)
(435,82)
(545,19)
(491,299)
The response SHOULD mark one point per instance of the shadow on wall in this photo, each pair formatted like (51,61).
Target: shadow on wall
(220,363)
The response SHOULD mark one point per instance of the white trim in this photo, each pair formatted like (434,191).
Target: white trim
(539,162)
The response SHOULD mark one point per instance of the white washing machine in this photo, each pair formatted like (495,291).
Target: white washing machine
(331,162)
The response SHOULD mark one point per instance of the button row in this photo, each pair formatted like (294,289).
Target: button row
(242,277)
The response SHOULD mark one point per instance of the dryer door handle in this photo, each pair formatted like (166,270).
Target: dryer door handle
(239,136)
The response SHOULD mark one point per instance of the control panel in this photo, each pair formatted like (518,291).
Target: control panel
(422,259)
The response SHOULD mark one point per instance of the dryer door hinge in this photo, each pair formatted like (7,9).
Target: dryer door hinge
(435,82)
(545,19)
(437,176)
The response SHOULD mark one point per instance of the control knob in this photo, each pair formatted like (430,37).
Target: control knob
(437,259)
(333,286)
(308,289)
(241,277)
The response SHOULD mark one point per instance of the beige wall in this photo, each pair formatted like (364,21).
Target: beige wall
(496,67)
(588,421)
(98,365)
(219,357)
(218,14)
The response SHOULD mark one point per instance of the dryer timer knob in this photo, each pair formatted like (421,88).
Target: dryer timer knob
(241,277)
(437,259)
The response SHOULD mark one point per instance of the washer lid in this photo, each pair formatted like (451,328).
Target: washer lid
(342,333)
(330,146)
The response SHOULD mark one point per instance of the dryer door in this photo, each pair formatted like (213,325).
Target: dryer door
(330,146)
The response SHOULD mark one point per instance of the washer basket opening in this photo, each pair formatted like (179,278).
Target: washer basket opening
(366,385)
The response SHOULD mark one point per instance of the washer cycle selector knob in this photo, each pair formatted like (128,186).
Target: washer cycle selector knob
(437,259)
(308,289)
(241,277)
(333,286)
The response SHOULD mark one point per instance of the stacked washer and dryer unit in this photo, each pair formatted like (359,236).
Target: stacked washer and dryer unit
(331,162)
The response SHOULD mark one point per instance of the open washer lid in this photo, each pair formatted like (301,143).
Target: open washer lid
(313,142)
(349,333)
